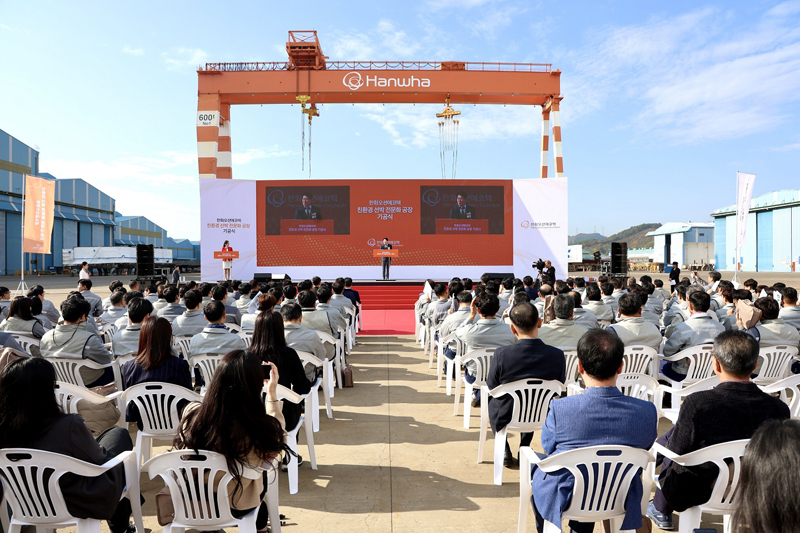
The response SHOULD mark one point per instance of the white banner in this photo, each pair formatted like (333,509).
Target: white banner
(227,213)
(575,253)
(745,192)
(540,225)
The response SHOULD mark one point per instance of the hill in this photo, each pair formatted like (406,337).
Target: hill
(635,237)
(581,237)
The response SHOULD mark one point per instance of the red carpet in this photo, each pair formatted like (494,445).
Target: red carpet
(388,322)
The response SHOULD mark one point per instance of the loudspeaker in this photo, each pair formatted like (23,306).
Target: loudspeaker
(262,277)
(619,257)
(500,276)
(145,260)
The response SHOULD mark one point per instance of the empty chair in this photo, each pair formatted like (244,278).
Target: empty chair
(603,477)
(291,438)
(678,394)
(457,367)
(640,359)
(326,381)
(700,366)
(159,406)
(774,363)
(531,400)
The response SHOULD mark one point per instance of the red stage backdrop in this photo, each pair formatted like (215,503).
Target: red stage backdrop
(350,217)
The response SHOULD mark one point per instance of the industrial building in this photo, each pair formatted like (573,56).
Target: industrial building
(688,243)
(772,238)
(84,217)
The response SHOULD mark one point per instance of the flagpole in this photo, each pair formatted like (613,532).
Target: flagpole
(736,248)
(22,288)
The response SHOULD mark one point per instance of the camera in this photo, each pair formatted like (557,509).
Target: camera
(538,265)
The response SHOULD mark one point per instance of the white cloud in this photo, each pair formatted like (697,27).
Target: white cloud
(438,5)
(4,27)
(179,58)
(132,51)
(786,148)
(493,20)
(689,78)
(383,42)
(253,154)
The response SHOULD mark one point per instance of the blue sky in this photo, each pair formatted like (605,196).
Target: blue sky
(663,101)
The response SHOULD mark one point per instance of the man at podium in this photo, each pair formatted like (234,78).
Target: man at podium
(307,211)
(386,261)
(461,210)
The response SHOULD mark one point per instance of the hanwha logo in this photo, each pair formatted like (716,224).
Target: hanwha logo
(372,242)
(525,224)
(353,81)
(431,197)
(276,198)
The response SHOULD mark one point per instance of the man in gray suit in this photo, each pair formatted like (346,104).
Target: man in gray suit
(215,337)
(563,331)
(699,328)
(317,320)
(193,320)
(220,294)
(339,300)
(126,340)
(85,287)
(335,316)
(386,261)
(299,337)
(173,309)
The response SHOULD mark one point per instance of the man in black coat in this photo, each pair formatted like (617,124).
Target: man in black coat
(732,410)
(461,210)
(528,358)
(674,276)
(307,211)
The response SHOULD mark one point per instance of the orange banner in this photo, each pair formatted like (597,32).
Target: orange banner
(39,209)
(385,253)
(226,255)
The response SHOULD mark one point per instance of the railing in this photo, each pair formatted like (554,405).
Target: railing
(265,66)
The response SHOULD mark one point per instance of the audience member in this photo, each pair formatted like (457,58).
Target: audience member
(122,322)
(619,288)
(115,309)
(48,309)
(20,320)
(730,411)
(126,341)
(265,302)
(631,328)
(85,288)
(528,358)
(595,304)
(5,302)
(173,309)
(161,301)
(562,331)
(193,321)
(36,312)
(112,287)
(299,337)
(452,322)
(335,318)
(243,302)
(339,300)
(648,315)
(317,320)
(602,415)
(608,290)
(351,293)
(151,294)
(215,337)
(664,293)
(790,313)
(232,313)
(772,330)
(582,316)
(699,328)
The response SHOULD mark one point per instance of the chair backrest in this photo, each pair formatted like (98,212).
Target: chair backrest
(531,401)
(326,337)
(571,354)
(207,363)
(792,383)
(308,358)
(482,358)
(603,476)
(25,340)
(247,337)
(126,358)
(30,481)
(639,386)
(68,369)
(775,363)
(68,396)
(107,332)
(158,405)
(728,459)
(182,343)
(603,323)
(198,485)
(700,365)
(639,359)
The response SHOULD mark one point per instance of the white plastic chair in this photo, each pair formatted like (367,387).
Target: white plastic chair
(531,401)
(350,316)
(198,485)
(182,342)
(338,357)
(68,370)
(571,355)
(107,332)
(453,366)
(68,396)
(25,340)
(631,384)
(440,356)
(30,481)
(434,345)
(291,437)
(775,362)
(601,486)
(728,459)
(671,413)
(312,401)
(207,364)
(603,323)
(247,337)
(358,316)
(457,362)
(700,366)
(640,359)
(125,358)
(158,409)
(482,359)
(792,383)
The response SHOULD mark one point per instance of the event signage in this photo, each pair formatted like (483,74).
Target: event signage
(354,81)
(39,212)
(745,192)
(207,118)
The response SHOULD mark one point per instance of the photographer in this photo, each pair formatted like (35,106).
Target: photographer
(547,272)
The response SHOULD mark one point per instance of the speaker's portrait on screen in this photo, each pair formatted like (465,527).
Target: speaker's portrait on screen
(308,211)
(462,209)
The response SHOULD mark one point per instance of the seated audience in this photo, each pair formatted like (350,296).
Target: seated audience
(243,302)
(338,299)
(220,294)
(85,288)
(527,283)
(48,309)
(492,287)
(5,302)
(30,417)
(115,309)
(351,293)
(648,315)
(173,309)
(269,345)
(193,321)
(545,290)
(112,287)
(452,322)
(20,320)
(123,322)
(619,288)
(215,337)
(699,328)
(289,294)
(595,305)
(151,294)
(232,421)
(562,331)
(161,301)
(727,313)
(602,415)
(299,337)
(608,291)
(126,341)
(265,302)
(335,318)
(36,312)
(771,330)
(631,328)
(790,311)
(664,293)
(439,306)
(528,358)
(71,340)
(730,411)
(582,316)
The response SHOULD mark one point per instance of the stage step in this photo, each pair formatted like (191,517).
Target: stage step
(388,297)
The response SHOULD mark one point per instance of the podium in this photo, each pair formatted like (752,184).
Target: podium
(449,226)
(385,253)
(226,255)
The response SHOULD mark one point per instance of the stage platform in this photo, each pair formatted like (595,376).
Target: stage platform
(388,306)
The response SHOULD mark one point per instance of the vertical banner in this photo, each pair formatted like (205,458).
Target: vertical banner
(540,225)
(745,192)
(39,211)
(227,213)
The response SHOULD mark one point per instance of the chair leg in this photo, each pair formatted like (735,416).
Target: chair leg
(525,493)
(483,429)
(450,373)
(726,523)
(272,502)
(138,448)
(689,520)
(468,388)
(457,393)
(615,524)
(339,368)
(312,454)
(499,452)
(439,367)
(247,524)
(291,441)
(326,393)
(312,407)
(550,527)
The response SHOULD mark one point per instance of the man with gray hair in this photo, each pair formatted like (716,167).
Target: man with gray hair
(732,410)
(699,328)
(563,331)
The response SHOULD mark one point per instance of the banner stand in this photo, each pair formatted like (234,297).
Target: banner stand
(22,288)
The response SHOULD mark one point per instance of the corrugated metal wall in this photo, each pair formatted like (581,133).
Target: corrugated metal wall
(676,249)
(720,256)
(782,240)
(70,234)
(764,241)
(730,243)
(97,235)
(13,242)
(750,251)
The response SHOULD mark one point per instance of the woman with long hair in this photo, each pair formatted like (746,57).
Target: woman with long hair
(227,263)
(766,501)
(21,320)
(269,345)
(266,302)
(232,421)
(31,418)
(155,361)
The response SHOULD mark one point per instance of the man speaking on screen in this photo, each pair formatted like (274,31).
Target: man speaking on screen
(461,209)
(307,211)
(386,261)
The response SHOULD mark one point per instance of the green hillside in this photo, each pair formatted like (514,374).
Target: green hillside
(634,236)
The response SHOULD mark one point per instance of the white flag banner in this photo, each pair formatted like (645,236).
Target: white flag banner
(745,190)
